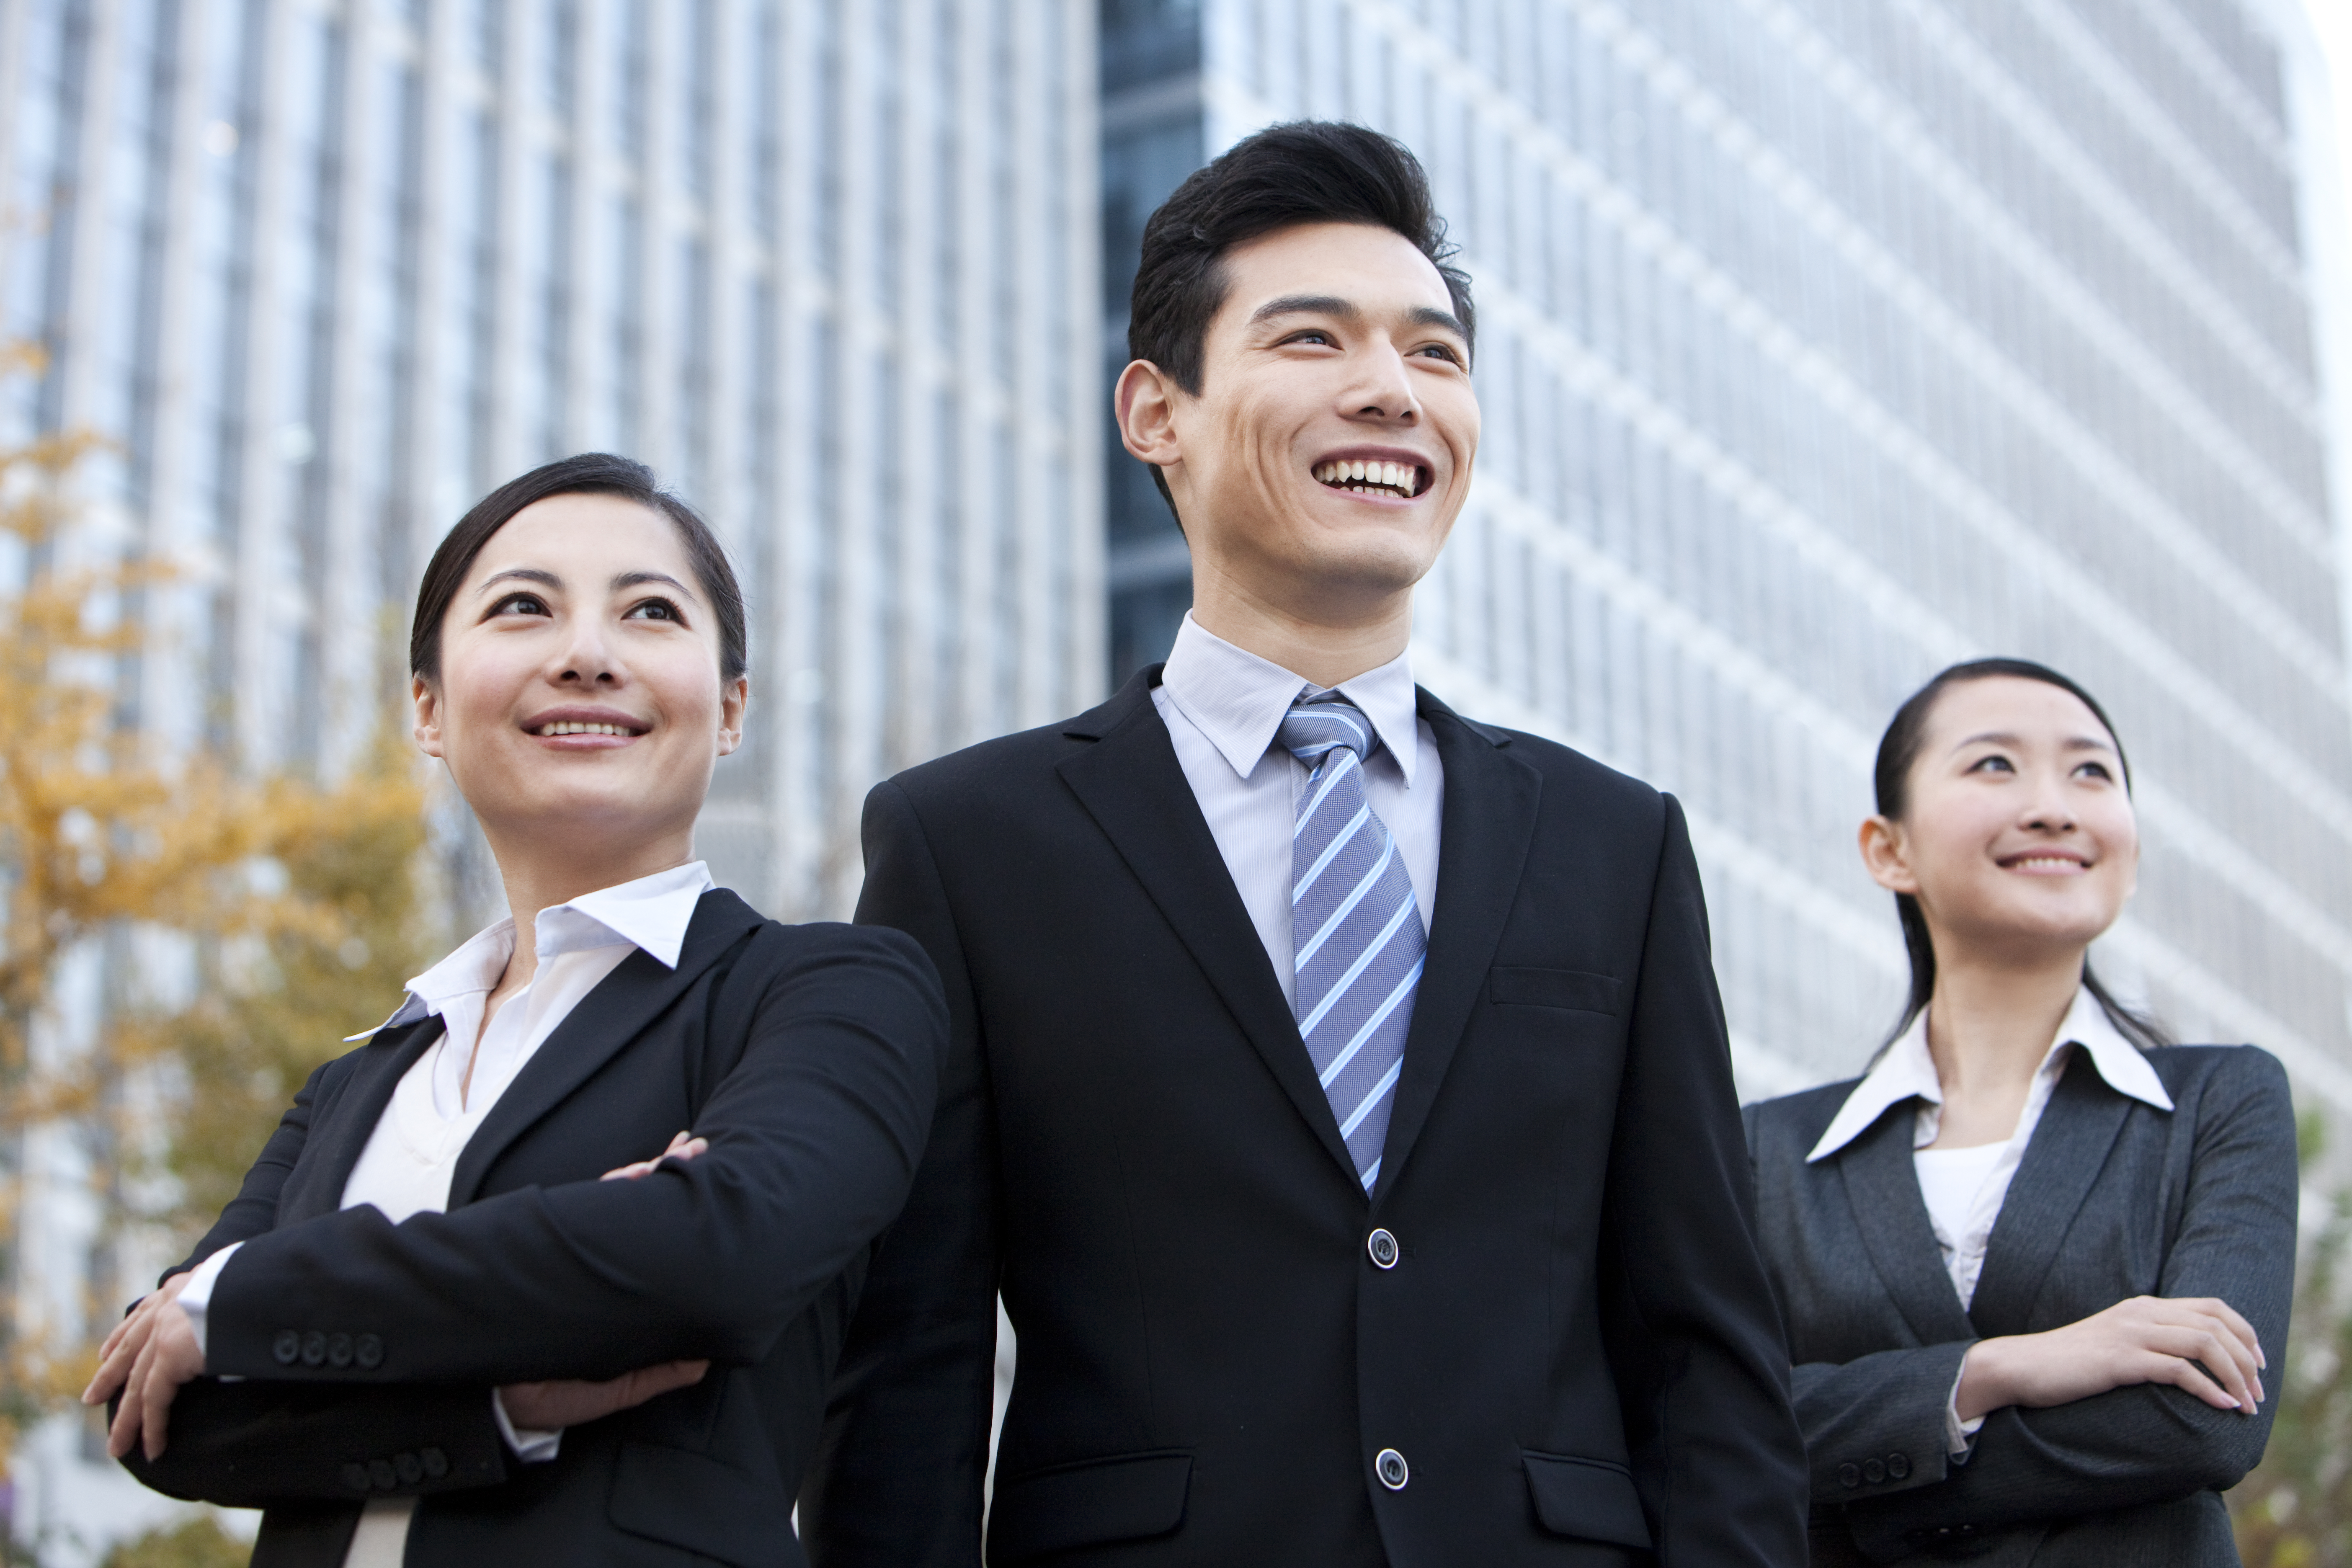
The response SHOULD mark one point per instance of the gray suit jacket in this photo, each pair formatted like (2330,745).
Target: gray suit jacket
(2114,1199)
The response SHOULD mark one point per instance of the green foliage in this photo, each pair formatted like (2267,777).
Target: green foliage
(2295,1509)
(199,1543)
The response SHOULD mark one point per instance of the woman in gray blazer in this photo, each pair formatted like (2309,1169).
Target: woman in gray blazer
(2031,1262)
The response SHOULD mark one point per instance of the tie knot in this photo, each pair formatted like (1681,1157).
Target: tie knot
(1318,726)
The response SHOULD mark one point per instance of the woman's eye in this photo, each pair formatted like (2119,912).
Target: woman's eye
(653,610)
(519,605)
(2096,771)
(1993,764)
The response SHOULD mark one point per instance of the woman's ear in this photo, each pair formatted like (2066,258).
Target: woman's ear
(1886,856)
(427,702)
(732,700)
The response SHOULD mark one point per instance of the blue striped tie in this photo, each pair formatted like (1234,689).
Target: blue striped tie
(1356,942)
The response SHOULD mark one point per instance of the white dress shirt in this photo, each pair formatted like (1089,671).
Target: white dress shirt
(435,1110)
(1223,704)
(1964,1188)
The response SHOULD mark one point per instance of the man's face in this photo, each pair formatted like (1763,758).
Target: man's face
(1329,452)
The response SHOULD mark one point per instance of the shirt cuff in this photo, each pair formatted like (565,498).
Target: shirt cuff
(1959,1436)
(197,1299)
(531,1446)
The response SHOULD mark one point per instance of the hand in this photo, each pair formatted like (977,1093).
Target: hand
(572,1401)
(685,1146)
(148,1356)
(2148,1339)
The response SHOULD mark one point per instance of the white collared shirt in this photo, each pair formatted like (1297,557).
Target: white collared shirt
(1964,1188)
(409,1159)
(1223,704)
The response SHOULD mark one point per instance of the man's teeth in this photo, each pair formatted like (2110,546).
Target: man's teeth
(567,727)
(1403,478)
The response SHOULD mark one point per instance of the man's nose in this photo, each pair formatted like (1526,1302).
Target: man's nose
(1384,390)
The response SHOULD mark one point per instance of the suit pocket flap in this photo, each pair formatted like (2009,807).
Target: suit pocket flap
(1570,988)
(1088,1504)
(686,1499)
(1590,1499)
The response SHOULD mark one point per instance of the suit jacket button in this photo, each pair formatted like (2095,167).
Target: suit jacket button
(1898,1466)
(1383,1248)
(287,1347)
(356,1476)
(411,1468)
(435,1462)
(384,1476)
(314,1349)
(1390,1468)
(368,1350)
(1849,1475)
(1873,1472)
(339,1350)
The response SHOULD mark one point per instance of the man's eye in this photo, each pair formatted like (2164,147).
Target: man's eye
(1440,351)
(1313,335)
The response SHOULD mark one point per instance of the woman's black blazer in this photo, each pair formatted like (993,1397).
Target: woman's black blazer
(809,1055)
(2114,1199)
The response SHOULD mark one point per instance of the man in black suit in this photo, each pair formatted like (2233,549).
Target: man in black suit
(1338,1096)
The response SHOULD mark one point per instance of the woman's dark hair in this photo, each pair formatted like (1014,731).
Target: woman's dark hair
(590,473)
(1309,171)
(1899,748)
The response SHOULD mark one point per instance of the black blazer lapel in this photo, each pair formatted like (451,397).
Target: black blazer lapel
(604,1021)
(1132,785)
(340,1129)
(1882,1188)
(1491,799)
(2068,1149)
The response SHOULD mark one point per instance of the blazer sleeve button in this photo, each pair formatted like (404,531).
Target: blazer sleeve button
(381,1475)
(314,1349)
(287,1348)
(355,1476)
(411,1468)
(339,1350)
(1873,1472)
(1849,1475)
(368,1350)
(1898,1466)
(435,1462)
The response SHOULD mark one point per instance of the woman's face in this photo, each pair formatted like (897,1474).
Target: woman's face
(579,685)
(2019,840)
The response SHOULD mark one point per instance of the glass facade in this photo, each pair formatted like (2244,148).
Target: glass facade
(324,271)
(1823,342)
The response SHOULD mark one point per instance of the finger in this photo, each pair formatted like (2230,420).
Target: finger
(157,1419)
(105,1346)
(2216,1349)
(113,1369)
(2243,1330)
(129,1415)
(2185,1375)
(678,1142)
(688,1150)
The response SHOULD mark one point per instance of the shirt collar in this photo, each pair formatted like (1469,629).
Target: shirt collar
(1906,1070)
(650,913)
(1237,698)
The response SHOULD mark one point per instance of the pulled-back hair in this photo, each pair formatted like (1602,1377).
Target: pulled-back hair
(590,473)
(1898,749)
(1309,171)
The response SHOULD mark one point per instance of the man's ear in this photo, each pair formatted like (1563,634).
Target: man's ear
(1145,404)
(428,714)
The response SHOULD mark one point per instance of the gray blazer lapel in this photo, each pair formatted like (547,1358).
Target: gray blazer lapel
(1883,1186)
(2068,1149)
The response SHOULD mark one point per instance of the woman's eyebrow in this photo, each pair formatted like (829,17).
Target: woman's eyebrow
(638,579)
(527,574)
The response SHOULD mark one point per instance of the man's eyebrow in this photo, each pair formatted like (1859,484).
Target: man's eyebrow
(1431,316)
(638,579)
(1307,304)
(527,574)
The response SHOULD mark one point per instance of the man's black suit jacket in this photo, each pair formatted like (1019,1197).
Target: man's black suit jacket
(809,1055)
(1575,1351)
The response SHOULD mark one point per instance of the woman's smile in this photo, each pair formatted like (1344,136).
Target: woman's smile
(578,729)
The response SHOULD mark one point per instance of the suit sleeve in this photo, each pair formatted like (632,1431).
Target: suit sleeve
(253,1210)
(898,1477)
(1700,1359)
(2150,1441)
(815,1137)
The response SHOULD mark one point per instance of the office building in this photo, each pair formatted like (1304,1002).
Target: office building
(1825,342)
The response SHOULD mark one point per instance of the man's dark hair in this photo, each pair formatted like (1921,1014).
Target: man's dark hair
(590,473)
(1309,171)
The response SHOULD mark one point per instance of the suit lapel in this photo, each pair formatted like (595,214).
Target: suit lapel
(345,1124)
(2068,1149)
(1882,1187)
(1132,785)
(1491,799)
(604,1021)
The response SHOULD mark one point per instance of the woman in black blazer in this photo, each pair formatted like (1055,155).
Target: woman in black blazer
(2031,1264)
(425,1329)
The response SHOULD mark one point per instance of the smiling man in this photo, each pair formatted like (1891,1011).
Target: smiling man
(1340,1099)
